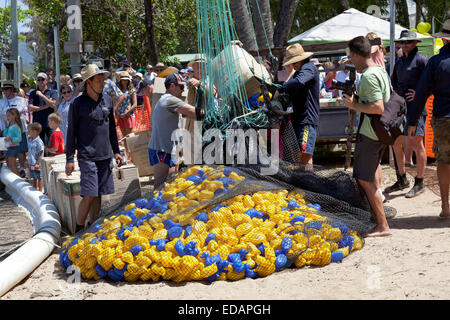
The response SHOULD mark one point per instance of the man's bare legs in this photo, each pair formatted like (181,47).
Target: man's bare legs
(443,173)
(307,160)
(87,206)
(374,197)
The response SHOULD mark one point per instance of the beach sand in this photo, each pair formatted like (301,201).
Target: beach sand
(413,263)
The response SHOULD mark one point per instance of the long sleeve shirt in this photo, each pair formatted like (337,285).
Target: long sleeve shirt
(91,129)
(303,89)
(407,72)
(435,80)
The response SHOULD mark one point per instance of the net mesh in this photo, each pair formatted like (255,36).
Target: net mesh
(224,223)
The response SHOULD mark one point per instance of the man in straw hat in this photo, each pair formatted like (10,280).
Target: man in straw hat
(407,72)
(435,80)
(303,89)
(92,131)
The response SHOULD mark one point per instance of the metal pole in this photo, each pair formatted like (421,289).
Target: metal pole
(56,44)
(14,31)
(74,23)
(392,34)
(432,32)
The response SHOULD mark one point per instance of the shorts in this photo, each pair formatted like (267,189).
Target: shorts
(35,174)
(12,152)
(420,128)
(23,146)
(367,157)
(96,177)
(441,140)
(157,156)
(306,136)
(128,122)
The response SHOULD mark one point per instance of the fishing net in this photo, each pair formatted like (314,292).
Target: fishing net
(222,223)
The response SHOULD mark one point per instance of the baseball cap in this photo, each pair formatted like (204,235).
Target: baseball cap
(126,63)
(174,78)
(145,83)
(183,71)
(190,69)
(42,75)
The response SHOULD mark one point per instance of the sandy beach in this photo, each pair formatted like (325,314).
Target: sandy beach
(413,263)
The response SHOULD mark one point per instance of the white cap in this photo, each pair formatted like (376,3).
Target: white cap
(42,75)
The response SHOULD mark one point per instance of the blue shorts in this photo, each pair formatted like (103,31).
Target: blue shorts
(12,152)
(96,177)
(306,136)
(420,128)
(35,174)
(157,156)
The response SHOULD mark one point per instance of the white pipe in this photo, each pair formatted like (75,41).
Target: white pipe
(47,226)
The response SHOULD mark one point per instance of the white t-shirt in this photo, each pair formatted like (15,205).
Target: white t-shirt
(17,102)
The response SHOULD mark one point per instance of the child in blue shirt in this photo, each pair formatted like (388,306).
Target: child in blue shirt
(35,153)
(13,135)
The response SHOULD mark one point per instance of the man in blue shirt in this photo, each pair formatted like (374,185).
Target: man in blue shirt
(435,80)
(92,131)
(42,102)
(406,75)
(303,89)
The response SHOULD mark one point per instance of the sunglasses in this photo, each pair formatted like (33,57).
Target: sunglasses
(406,42)
(77,80)
(181,86)
(40,80)
(66,92)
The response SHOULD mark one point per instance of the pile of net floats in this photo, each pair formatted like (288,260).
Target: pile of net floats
(250,235)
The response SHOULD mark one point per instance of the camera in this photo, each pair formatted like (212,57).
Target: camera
(348,87)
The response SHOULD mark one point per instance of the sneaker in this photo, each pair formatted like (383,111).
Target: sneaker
(397,186)
(415,191)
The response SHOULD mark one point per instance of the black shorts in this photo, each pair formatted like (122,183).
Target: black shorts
(368,154)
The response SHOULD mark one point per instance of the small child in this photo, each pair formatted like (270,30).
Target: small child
(13,134)
(35,153)
(56,143)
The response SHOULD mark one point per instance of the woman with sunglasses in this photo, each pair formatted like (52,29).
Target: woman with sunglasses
(67,98)
(77,85)
(125,111)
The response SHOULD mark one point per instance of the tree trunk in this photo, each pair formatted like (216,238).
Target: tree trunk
(149,26)
(404,16)
(285,19)
(127,34)
(262,19)
(243,24)
(418,12)
(344,4)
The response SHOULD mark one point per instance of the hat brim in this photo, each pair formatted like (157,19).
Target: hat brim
(167,71)
(441,35)
(407,39)
(105,73)
(191,64)
(301,57)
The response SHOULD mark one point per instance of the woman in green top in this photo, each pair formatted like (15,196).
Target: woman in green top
(13,135)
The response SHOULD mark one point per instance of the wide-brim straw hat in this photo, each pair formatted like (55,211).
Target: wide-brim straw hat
(91,70)
(295,53)
(197,59)
(77,76)
(445,34)
(167,71)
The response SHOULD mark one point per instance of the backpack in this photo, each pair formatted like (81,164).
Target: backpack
(389,125)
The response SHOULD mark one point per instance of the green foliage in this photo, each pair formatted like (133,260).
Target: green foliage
(5,27)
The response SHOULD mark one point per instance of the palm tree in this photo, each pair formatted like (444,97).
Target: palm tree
(284,22)
(243,24)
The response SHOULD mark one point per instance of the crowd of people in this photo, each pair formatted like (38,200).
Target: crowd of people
(415,78)
(83,117)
